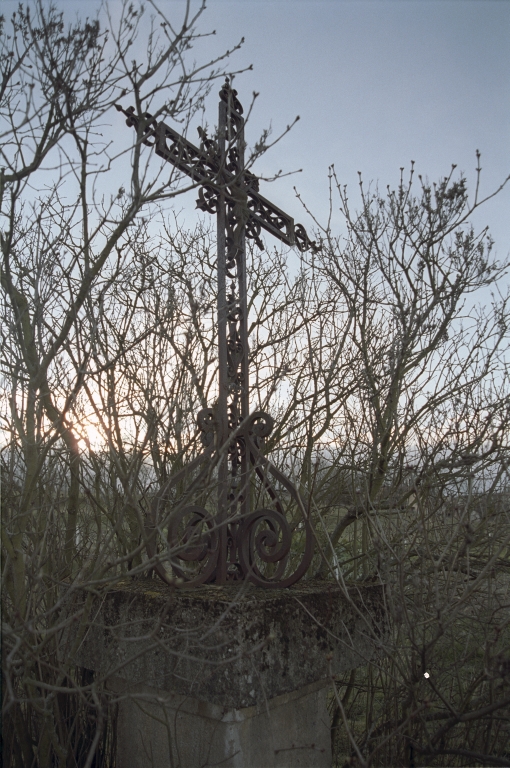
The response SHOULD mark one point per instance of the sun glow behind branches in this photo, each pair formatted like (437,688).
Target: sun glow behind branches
(90,436)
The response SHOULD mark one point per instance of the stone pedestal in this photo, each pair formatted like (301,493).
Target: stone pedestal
(227,676)
(155,727)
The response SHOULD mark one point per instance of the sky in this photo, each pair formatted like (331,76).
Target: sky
(376,83)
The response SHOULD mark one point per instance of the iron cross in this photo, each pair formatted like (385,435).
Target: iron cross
(235,543)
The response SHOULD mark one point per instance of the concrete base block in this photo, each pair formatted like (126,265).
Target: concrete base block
(233,646)
(158,729)
(226,676)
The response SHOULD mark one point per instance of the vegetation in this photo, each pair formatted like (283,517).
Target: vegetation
(383,359)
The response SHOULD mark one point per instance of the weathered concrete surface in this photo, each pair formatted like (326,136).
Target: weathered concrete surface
(230,676)
(160,729)
(232,646)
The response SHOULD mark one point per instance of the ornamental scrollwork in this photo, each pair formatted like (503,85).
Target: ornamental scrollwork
(202,165)
(303,242)
(259,425)
(222,539)
(207,199)
(193,544)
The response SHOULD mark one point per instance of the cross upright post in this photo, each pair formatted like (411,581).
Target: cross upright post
(233,542)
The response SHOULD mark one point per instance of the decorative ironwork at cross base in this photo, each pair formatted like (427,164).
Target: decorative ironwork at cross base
(232,542)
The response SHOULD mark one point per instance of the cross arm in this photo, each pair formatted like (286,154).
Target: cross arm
(204,167)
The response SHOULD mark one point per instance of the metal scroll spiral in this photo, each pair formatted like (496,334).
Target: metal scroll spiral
(260,545)
(265,537)
(193,538)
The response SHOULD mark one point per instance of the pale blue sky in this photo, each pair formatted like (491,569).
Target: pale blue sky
(377,83)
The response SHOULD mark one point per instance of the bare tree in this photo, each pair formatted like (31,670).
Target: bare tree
(388,383)
(418,460)
(66,234)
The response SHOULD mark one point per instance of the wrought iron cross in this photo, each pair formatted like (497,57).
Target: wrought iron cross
(231,542)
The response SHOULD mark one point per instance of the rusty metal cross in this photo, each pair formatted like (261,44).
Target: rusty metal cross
(233,542)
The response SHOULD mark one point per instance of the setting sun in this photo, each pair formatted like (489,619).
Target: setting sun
(90,436)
